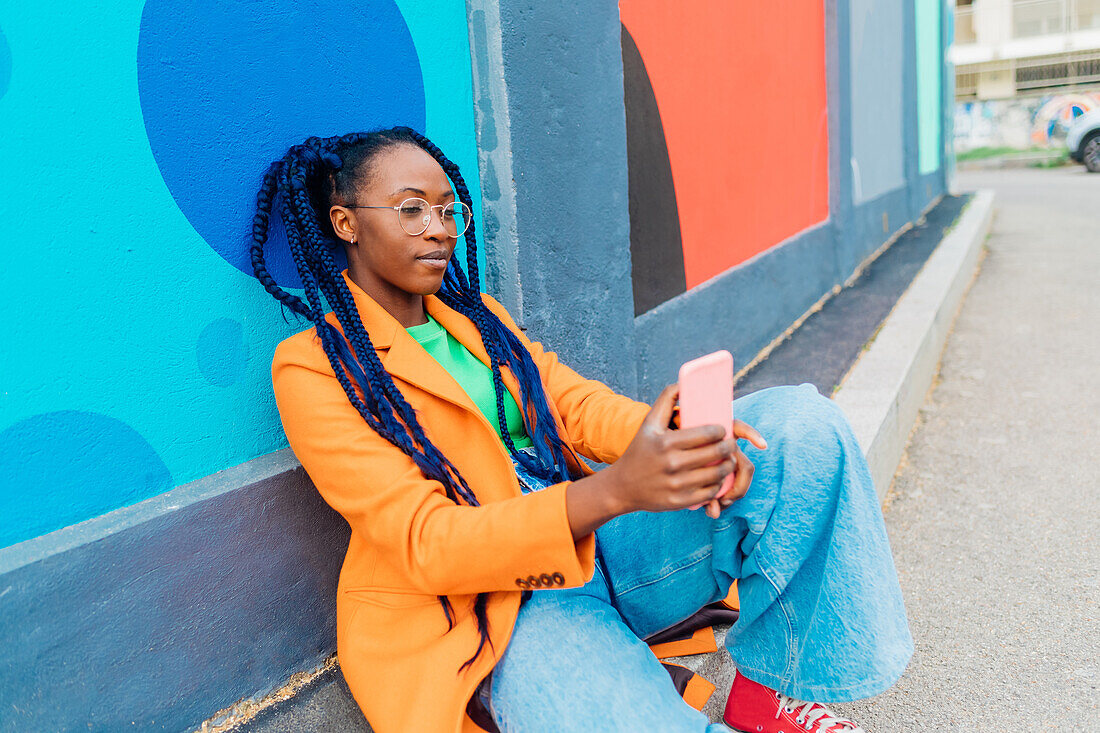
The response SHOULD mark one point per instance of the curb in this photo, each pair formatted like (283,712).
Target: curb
(883,391)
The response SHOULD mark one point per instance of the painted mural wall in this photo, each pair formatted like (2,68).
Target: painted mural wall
(877,91)
(727,136)
(727,126)
(135,135)
(140,342)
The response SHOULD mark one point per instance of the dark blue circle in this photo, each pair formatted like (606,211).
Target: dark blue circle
(68,466)
(226,88)
(222,353)
(5,64)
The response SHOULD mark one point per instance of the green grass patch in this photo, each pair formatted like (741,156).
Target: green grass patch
(982,153)
(1056,161)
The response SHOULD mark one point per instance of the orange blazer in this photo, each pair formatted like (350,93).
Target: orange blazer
(409,542)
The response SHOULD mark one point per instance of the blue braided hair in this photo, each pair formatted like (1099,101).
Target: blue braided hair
(309,179)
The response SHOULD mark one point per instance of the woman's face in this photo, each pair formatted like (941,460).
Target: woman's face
(388,263)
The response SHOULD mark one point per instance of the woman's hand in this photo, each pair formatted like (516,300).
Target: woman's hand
(664,469)
(743,468)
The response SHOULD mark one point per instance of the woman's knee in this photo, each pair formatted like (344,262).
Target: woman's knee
(798,418)
(812,456)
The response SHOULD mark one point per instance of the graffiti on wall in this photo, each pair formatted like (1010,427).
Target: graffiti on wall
(727,136)
(1054,117)
(1022,122)
(145,361)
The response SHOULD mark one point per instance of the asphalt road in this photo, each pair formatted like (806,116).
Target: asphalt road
(994,516)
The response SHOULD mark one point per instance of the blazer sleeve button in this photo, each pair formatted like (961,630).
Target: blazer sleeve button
(546,581)
(558,579)
(533,582)
(523,584)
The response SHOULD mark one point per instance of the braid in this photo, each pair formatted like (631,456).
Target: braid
(501,344)
(265,200)
(305,181)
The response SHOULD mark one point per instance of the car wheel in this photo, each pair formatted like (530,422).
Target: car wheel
(1090,153)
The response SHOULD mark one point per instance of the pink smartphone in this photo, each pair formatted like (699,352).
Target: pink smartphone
(706,393)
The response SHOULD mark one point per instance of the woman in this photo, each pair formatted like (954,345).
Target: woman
(490,570)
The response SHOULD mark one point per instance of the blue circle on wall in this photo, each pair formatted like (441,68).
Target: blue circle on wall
(222,353)
(67,466)
(226,88)
(5,64)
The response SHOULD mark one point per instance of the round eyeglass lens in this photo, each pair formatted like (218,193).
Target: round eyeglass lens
(415,216)
(456,218)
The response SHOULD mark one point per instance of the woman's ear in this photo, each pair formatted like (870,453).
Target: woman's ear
(343,224)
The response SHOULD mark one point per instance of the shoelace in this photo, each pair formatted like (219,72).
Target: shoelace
(815,714)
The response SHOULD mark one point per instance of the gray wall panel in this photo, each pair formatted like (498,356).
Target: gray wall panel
(877,90)
(157,615)
(741,310)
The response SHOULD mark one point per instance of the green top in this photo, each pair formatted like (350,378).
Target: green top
(473,376)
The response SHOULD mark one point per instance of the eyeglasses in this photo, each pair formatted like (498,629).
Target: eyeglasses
(415,216)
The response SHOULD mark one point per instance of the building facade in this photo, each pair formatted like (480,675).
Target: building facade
(1008,48)
(1024,69)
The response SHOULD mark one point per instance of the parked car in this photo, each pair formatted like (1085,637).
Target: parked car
(1083,140)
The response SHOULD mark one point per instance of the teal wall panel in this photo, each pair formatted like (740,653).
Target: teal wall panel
(929,90)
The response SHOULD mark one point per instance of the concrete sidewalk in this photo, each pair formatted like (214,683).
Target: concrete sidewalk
(993,516)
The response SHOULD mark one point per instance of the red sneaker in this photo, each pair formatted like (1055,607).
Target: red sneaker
(753,708)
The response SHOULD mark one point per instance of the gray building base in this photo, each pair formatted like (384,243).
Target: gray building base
(154,616)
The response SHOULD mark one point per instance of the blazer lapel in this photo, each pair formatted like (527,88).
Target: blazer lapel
(465,331)
(407,361)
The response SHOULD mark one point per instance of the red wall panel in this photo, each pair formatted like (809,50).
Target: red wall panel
(741,93)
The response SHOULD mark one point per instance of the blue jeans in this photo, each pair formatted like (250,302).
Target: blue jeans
(822,616)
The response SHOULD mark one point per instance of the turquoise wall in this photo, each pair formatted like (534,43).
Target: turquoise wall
(135,135)
(929,89)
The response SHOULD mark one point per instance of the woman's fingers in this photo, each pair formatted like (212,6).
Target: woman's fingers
(666,468)
(748,432)
(661,412)
(743,479)
(700,485)
(708,454)
(688,438)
